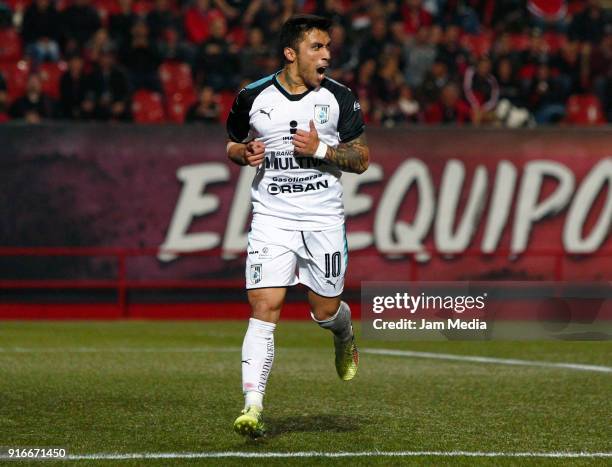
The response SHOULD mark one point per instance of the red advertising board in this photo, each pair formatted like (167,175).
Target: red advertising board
(435,204)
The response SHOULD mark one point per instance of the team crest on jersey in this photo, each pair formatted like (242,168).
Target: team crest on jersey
(255,273)
(321,113)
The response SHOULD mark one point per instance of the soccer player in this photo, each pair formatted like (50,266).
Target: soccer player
(301,130)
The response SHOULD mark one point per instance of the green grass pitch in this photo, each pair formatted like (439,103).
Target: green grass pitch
(169,387)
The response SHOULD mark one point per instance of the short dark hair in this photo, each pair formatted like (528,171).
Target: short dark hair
(295,27)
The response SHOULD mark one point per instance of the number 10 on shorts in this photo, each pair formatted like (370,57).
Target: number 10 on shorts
(333,265)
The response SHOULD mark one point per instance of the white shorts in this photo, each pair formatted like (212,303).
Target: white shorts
(282,258)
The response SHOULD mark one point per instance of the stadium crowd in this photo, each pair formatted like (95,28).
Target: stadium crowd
(474,62)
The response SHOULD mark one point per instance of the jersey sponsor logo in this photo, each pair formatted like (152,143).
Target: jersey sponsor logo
(275,189)
(255,273)
(262,111)
(356,106)
(296,179)
(321,113)
(288,152)
(265,253)
(290,163)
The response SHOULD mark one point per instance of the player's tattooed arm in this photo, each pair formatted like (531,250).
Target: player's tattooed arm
(251,153)
(353,156)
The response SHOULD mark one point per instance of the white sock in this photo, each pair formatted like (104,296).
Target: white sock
(257,359)
(253,398)
(339,324)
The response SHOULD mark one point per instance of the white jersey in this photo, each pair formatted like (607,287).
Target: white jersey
(290,191)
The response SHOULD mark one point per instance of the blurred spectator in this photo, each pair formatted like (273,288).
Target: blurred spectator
(388,80)
(206,109)
(363,88)
(459,13)
(74,90)
(232,10)
(412,16)
(502,49)
(536,53)
(374,46)
(6,15)
(601,56)
(436,35)
(79,22)
(388,50)
(121,23)
(239,12)
(288,9)
(484,10)
(3,100)
(217,60)
(344,57)
(481,89)
(269,18)
(173,48)
(408,107)
(509,86)
(546,97)
(388,83)
(254,55)
(33,106)
(93,49)
(109,89)
(589,25)
(601,72)
(605,95)
(419,55)
(197,21)
(141,58)
(405,109)
(573,67)
(509,16)
(40,31)
(452,53)
(434,81)
(160,19)
(337,10)
(449,109)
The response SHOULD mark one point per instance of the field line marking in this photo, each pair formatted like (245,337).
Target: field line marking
(314,454)
(385,352)
(116,349)
(494,360)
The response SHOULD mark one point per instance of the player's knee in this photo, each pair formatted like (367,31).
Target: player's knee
(325,311)
(265,310)
(266,304)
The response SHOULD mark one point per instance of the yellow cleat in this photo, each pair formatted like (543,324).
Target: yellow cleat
(347,358)
(250,423)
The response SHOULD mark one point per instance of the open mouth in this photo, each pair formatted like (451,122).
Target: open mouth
(321,70)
